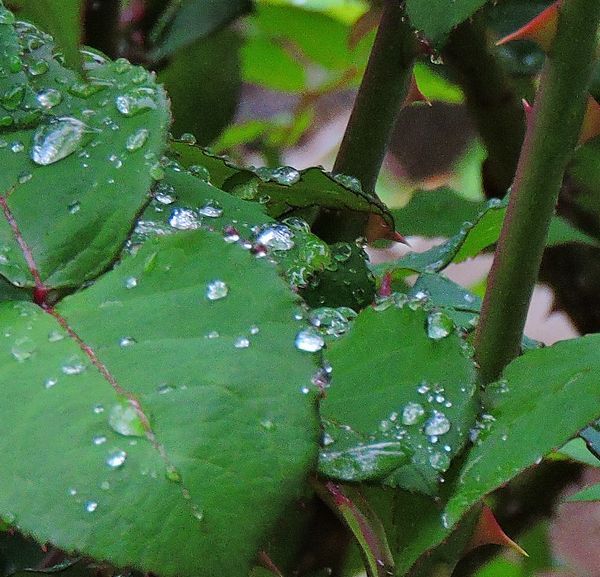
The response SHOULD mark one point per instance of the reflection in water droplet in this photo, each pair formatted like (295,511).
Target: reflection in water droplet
(412,413)
(74,207)
(285,175)
(309,340)
(137,140)
(216,290)
(90,506)
(184,219)
(73,367)
(136,101)
(48,98)
(437,424)
(116,459)
(57,139)
(439,325)
(241,343)
(125,420)
(275,237)
(98,409)
(211,209)
(72,491)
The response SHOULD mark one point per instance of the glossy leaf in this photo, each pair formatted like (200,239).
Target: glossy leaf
(76,157)
(61,18)
(172,384)
(528,417)
(401,408)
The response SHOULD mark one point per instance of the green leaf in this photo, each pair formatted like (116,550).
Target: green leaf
(588,494)
(401,408)
(435,86)
(436,18)
(217,169)
(200,106)
(577,450)
(61,18)
(347,11)
(153,416)
(528,417)
(77,156)
(183,23)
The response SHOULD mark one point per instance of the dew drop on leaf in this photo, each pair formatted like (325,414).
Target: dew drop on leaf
(116,459)
(124,419)
(241,343)
(73,366)
(126,341)
(211,209)
(99,440)
(216,290)
(137,140)
(135,101)
(22,349)
(57,139)
(412,413)
(439,326)
(184,219)
(50,382)
(48,98)
(275,237)
(90,506)
(437,424)
(131,282)
(309,340)
(285,175)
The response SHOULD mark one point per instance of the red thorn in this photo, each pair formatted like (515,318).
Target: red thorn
(385,290)
(528,108)
(590,127)
(542,29)
(488,531)
(397,237)
(414,94)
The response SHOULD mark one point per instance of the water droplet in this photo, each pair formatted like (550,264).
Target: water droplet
(275,237)
(197,513)
(439,326)
(329,320)
(22,349)
(309,340)
(165,193)
(211,209)
(86,89)
(57,139)
(38,68)
(188,138)
(439,461)
(131,282)
(254,330)
(17,146)
(6,16)
(99,440)
(137,140)
(212,335)
(216,290)
(48,98)
(285,175)
(350,182)
(125,420)
(172,474)
(12,97)
(90,506)
(200,172)
(437,424)
(116,459)
(164,389)
(72,491)
(136,101)
(412,413)
(55,336)
(241,343)
(98,409)
(184,219)
(73,367)
(50,382)
(74,207)
(126,341)
(267,424)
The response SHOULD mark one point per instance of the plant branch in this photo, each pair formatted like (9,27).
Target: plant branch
(491,100)
(383,90)
(551,136)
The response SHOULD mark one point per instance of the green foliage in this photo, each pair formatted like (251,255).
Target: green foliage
(188,366)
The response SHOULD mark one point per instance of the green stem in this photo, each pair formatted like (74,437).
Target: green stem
(551,136)
(383,90)
(492,102)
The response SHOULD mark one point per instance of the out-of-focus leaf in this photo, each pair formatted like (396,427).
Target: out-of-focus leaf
(577,450)
(401,408)
(203,82)
(347,11)
(436,18)
(435,87)
(184,23)
(588,494)
(61,18)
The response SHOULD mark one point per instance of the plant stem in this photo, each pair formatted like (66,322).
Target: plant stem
(491,100)
(551,136)
(102,25)
(383,90)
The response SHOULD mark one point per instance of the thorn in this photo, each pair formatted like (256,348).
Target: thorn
(268,564)
(540,30)
(488,531)
(414,94)
(590,128)
(378,229)
(527,107)
(397,237)
(385,289)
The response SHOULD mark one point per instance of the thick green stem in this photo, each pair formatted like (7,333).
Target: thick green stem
(383,90)
(551,136)
(492,102)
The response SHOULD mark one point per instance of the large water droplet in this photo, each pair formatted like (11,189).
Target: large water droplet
(125,420)
(116,459)
(212,209)
(135,101)
(437,424)
(184,219)
(137,140)
(48,98)
(22,349)
(57,139)
(412,413)
(241,343)
(90,506)
(285,175)
(216,290)
(275,237)
(73,367)
(439,326)
(309,340)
